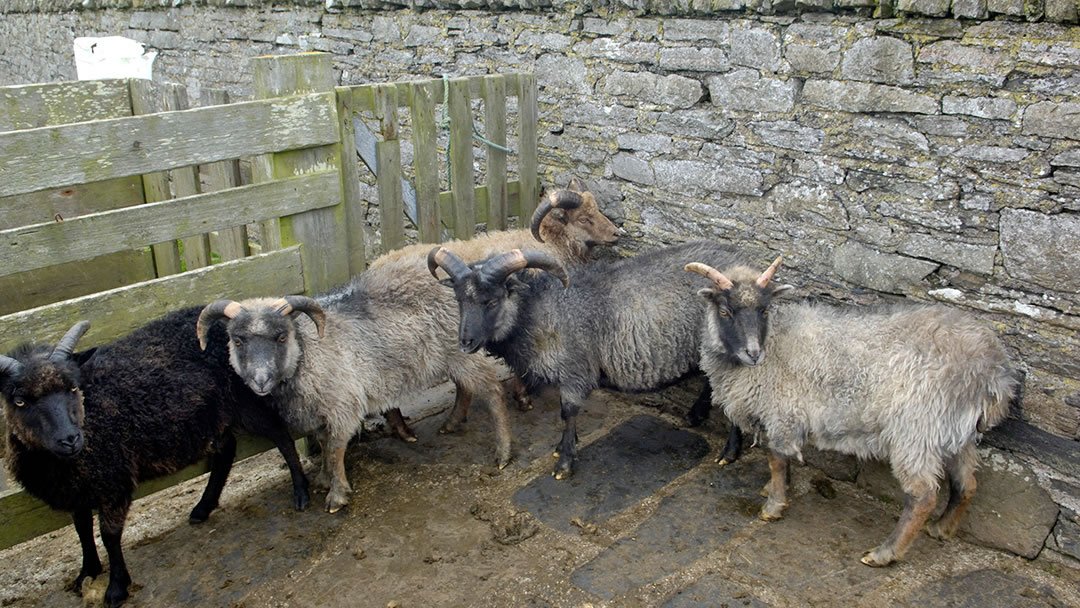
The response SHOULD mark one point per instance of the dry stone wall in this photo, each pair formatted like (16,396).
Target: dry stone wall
(920,149)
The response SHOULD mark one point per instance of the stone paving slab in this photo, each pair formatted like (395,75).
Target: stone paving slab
(713,591)
(696,520)
(985,588)
(632,461)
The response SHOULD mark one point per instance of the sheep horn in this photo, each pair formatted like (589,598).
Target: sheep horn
(441,257)
(66,345)
(559,199)
(9,366)
(213,312)
(290,304)
(503,265)
(710,273)
(766,276)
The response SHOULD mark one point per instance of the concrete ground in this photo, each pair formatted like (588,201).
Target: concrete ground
(648,520)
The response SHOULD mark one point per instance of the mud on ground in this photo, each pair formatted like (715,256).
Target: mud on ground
(648,520)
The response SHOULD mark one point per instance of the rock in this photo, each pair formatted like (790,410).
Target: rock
(866,97)
(747,90)
(1052,119)
(879,59)
(1040,248)
(631,168)
(878,270)
(977,258)
(813,48)
(755,47)
(694,59)
(982,107)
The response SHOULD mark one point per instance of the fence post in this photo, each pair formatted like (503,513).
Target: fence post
(321,232)
(462,178)
(527,145)
(350,183)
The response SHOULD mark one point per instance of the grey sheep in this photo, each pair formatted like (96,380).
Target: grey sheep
(385,335)
(914,385)
(622,325)
(567,225)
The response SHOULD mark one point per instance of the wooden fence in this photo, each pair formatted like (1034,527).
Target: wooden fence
(118,203)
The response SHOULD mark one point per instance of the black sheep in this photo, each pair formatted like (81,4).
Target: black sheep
(84,429)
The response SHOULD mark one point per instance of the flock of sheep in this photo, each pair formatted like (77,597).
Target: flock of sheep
(914,385)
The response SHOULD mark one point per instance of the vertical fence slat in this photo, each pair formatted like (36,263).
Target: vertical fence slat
(350,184)
(185,182)
(388,164)
(229,244)
(495,132)
(527,145)
(146,98)
(426,161)
(462,178)
(321,231)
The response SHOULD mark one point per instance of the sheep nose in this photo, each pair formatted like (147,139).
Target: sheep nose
(469,345)
(72,443)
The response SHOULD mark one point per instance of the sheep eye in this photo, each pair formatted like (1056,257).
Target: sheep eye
(584,220)
(74,389)
(19,403)
(723,313)
(281,338)
(492,303)
(238,342)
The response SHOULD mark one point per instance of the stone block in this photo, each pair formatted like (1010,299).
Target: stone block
(1040,248)
(631,168)
(888,272)
(1061,11)
(1068,158)
(879,59)
(981,107)
(755,47)
(674,90)
(812,204)
(422,35)
(970,9)
(790,135)
(812,47)
(655,143)
(601,27)
(1010,511)
(931,8)
(1050,119)
(705,124)
(992,154)
(951,61)
(976,258)
(1013,8)
(716,32)
(748,90)
(866,97)
(559,73)
(695,178)
(1065,537)
(622,52)
(694,59)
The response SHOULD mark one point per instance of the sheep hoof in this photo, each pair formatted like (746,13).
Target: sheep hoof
(723,461)
(875,559)
(562,475)
(937,531)
(772,512)
(524,404)
(555,454)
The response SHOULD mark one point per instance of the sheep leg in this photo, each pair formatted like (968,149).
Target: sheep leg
(777,487)
(91,564)
(279,434)
(340,489)
(961,473)
(221,462)
(323,478)
(567,450)
(398,425)
(699,412)
(520,394)
(463,397)
(496,402)
(111,518)
(733,447)
(918,504)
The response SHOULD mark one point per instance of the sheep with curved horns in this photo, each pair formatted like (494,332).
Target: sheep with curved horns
(83,429)
(387,334)
(567,224)
(621,325)
(914,385)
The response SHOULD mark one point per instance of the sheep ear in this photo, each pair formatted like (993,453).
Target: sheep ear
(447,283)
(707,293)
(83,356)
(783,291)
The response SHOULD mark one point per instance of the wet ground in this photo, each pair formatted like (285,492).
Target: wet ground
(648,520)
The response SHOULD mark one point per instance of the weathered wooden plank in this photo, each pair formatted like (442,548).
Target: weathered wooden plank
(51,157)
(364,94)
(495,132)
(425,159)
(39,105)
(321,231)
(23,517)
(185,182)
(41,245)
(462,179)
(78,199)
(355,221)
(43,286)
(480,193)
(231,244)
(388,161)
(119,311)
(527,121)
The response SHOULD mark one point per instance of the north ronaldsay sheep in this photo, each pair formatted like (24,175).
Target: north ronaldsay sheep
(914,385)
(387,334)
(567,225)
(621,325)
(84,429)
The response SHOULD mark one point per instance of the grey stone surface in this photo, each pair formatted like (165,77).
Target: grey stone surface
(982,107)
(988,588)
(789,135)
(812,204)
(674,90)
(932,8)
(702,179)
(694,59)
(748,90)
(631,168)
(1068,158)
(813,47)
(714,31)
(970,9)
(866,97)
(1051,119)
(1041,249)
(879,270)
(879,59)
(976,258)
(755,48)
(1013,8)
